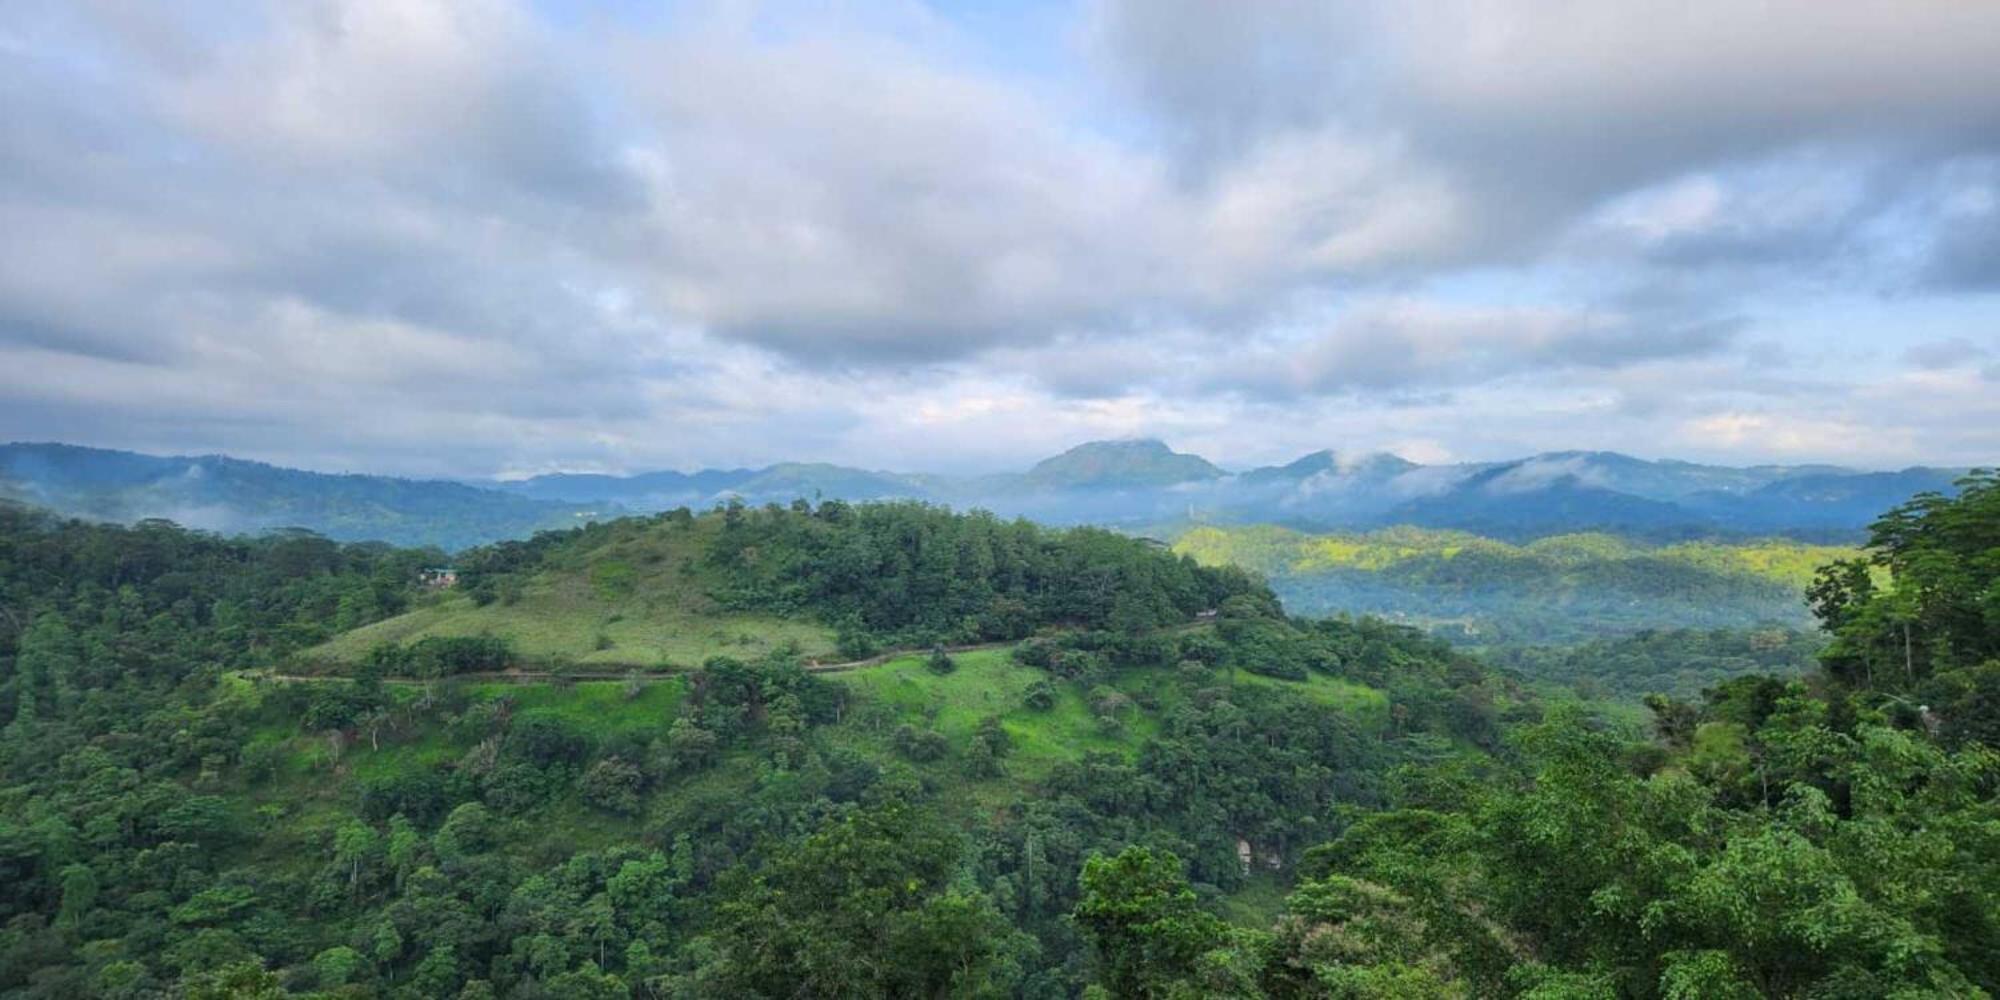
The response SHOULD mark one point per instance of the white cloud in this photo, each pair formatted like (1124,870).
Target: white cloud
(345,230)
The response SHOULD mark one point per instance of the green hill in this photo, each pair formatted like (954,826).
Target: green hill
(839,581)
(633,593)
(1119,793)
(1120,465)
(1557,589)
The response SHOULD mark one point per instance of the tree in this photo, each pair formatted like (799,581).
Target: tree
(355,844)
(688,747)
(940,662)
(1040,695)
(1143,923)
(863,908)
(613,785)
(337,966)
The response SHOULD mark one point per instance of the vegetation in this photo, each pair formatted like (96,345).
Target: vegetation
(1559,589)
(832,582)
(1677,662)
(1113,797)
(632,593)
(219,493)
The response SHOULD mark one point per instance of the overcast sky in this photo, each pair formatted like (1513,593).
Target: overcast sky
(473,237)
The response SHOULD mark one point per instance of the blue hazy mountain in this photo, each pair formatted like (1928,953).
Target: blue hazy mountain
(1133,484)
(236,496)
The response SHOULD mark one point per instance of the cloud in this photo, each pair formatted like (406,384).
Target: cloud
(1404,342)
(1965,251)
(342,231)
(1540,112)
(1941,354)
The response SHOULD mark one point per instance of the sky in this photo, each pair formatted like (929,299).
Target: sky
(504,237)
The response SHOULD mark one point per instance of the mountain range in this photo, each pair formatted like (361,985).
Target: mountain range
(1134,484)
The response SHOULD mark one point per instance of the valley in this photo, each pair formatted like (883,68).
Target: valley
(311,773)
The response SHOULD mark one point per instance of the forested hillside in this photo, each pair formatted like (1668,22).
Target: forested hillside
(1115,794)
(1562,588)
(1677,662)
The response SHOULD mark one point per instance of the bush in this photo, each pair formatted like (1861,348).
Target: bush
(920,745)
(545,741)
(853,644)
(613,785)
(687,748)
(940,662)
(442,656)
(1040,696)
(1038,653)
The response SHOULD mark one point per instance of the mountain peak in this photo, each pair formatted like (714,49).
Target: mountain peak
(1126,463)
(1326,461)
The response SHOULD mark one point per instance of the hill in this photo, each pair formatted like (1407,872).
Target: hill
(624,595)
(1110,465)
(301,816)
(234,496)
(1107,797)
(838,580)
(1560,588)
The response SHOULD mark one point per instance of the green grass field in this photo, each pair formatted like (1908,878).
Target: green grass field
(989,682)
(636,599)
(550,623)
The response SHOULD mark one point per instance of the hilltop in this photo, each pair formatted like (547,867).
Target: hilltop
(632,593)
(669,591)
(1120,465)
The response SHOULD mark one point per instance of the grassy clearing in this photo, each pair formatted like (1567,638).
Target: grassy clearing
(639,597)
(1369,706)
(989,682)
(559,619)
(601,707)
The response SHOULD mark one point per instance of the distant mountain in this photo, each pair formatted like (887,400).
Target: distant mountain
(1513,503)
(1135,484)
(665,489)
(1824,502)
(818,479)
(1101,465)
(1326,465)
(232,495)
(1663,480)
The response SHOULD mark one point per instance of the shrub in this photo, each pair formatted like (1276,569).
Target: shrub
(920,744)
(613,785)
(1040,696)
(940,662)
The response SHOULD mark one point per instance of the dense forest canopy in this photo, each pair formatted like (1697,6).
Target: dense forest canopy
(1564,588)
(1118,794)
